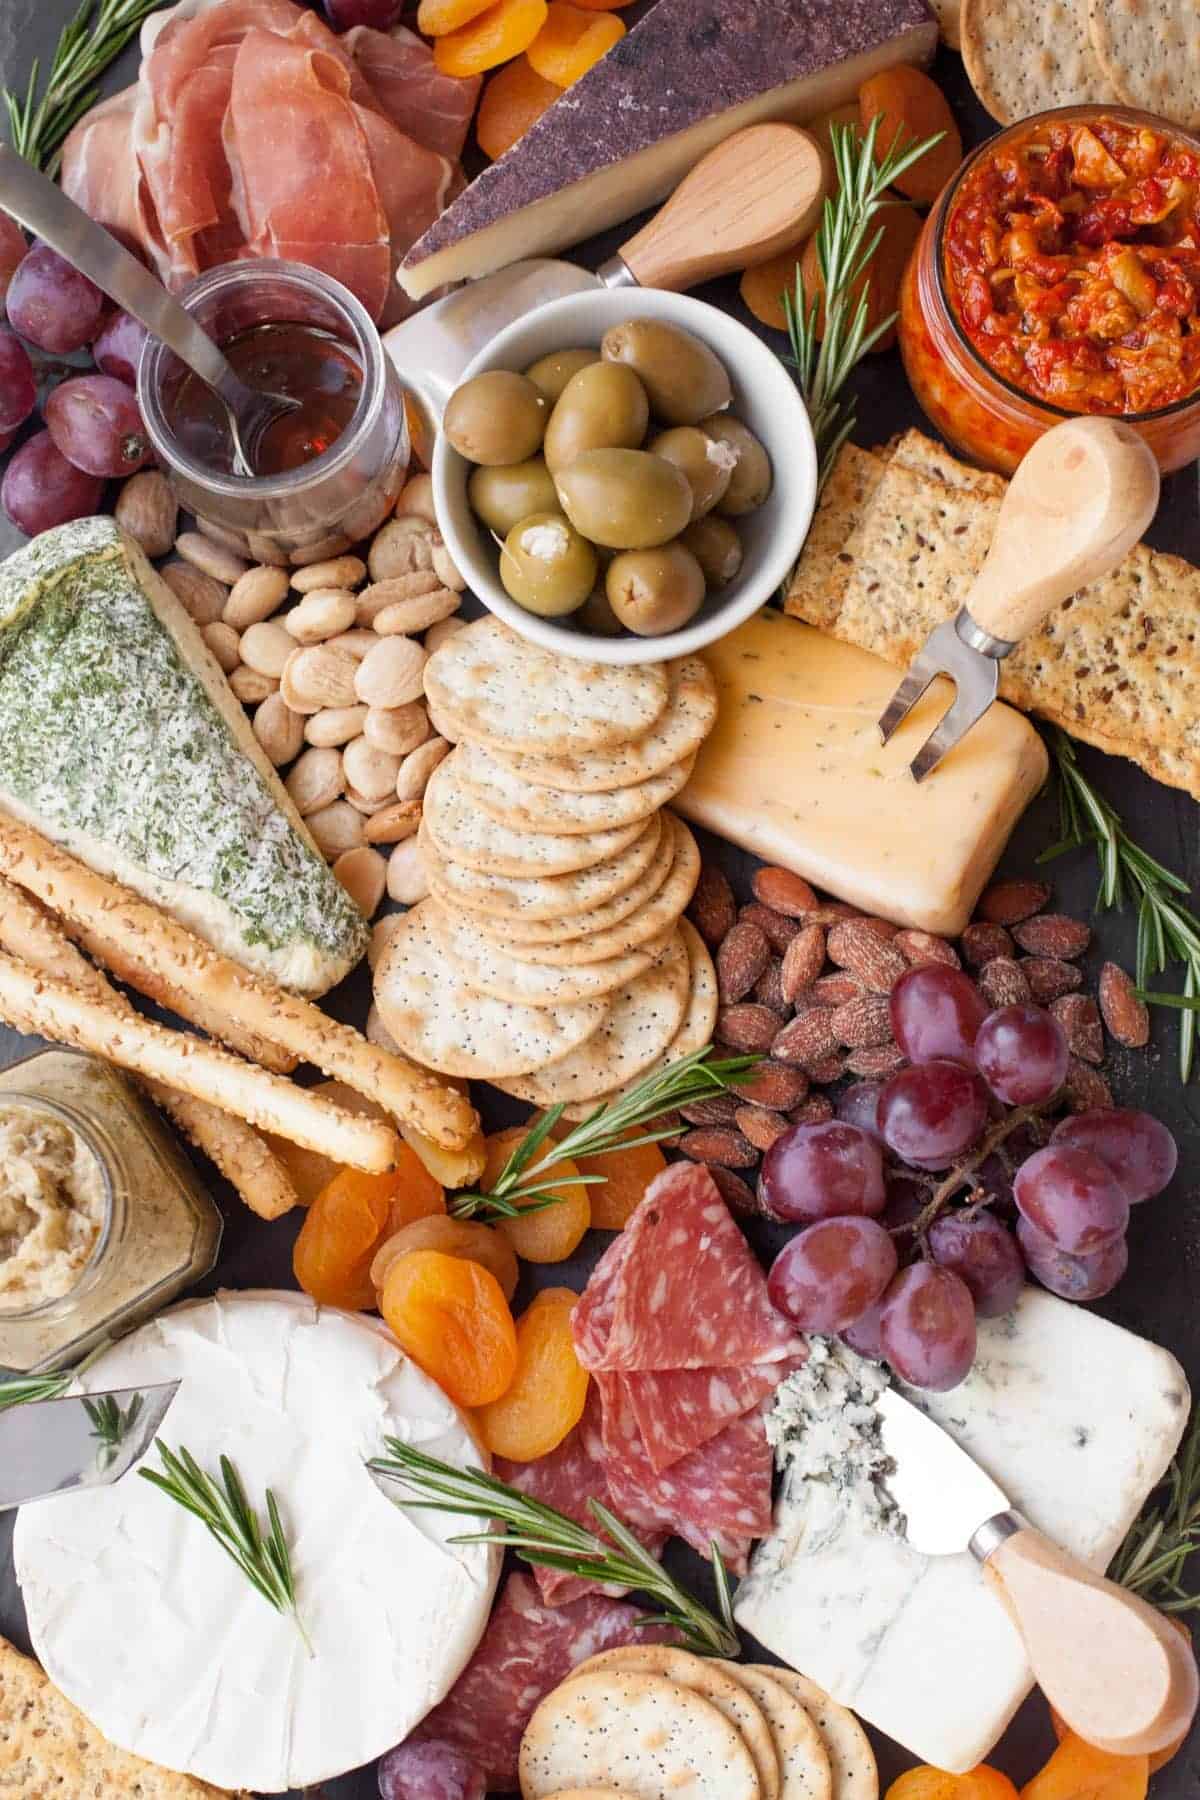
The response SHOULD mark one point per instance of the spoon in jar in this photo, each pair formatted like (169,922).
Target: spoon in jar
(35,202)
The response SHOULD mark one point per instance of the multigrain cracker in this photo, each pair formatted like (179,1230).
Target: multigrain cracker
(1027,56)
(825,567)
(463,833)
(1150,54)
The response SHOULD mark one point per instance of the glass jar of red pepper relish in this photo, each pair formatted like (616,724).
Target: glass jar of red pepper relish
(1059,274)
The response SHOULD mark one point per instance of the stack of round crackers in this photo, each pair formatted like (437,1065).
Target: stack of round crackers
(552,957)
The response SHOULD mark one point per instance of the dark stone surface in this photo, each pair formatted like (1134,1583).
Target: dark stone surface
(1158,1296)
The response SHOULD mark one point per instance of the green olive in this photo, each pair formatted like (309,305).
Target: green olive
(546,566)
(717,547)
(504,495)
(596,614)
(706,463)
(626,499)
(550,374)
(751,480)
(495,418)
(652,591)
(603,407)
(683,378)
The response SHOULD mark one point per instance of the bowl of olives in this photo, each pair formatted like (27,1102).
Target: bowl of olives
(625,475)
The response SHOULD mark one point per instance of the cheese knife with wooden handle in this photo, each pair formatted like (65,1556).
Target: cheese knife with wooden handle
(1078,503)
(1116,1670)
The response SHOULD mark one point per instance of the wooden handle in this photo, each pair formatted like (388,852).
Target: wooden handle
(1078,503)
(756,193)
(1117,1671)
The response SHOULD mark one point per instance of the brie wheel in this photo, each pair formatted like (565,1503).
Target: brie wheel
(151,1630)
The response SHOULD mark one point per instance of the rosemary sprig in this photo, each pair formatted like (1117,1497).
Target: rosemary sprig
(111,1423)
(264,1559)
(1155,1557)
(541,1535)
(1168,931)
(522,1188)
(93,39)
(20,1390)
(844,251)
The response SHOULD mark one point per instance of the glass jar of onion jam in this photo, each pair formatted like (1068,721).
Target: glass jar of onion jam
(1056,276)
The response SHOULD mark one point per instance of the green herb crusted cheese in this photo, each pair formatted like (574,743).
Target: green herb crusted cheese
(108,735)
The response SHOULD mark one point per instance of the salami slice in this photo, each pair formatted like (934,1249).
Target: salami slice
(591,1320)
(432,1771)
(678,1410)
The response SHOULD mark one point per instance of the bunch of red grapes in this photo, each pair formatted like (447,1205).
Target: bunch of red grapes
(903,1279)
(94,431)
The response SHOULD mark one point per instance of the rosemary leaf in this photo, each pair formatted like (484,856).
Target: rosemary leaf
(22,1389)
(1160,1557)
(94,38)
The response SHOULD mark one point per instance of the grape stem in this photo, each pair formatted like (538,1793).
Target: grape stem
(962,1171)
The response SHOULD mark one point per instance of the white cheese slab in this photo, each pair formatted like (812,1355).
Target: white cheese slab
(1077,1420)
(151,1630)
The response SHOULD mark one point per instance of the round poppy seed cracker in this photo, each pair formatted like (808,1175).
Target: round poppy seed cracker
(509,797)
(1150,54)
(547,932)
(803,1759)
(462,832)
(491,969)
(540,897)
(487,682)
(437,1018)
(1027,56)
(852,1763)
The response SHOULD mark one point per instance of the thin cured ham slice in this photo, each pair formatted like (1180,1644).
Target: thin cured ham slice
(433,108)
(100,173)
(413,185)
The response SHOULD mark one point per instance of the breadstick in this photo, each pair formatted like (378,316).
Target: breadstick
(403,1089)
(53,1008)
(29,932)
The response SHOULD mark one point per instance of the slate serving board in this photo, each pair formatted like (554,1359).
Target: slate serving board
(1157,1297)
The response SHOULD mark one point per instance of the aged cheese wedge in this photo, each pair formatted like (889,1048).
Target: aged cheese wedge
(794,771)
(1076,1420)
(120,739)
(688,75)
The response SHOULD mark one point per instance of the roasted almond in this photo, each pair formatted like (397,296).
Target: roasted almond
(737,1194)
(776,927)
(834,990)
(827,1069)
(832,912)
(760,1126)
(1127,1017)
(746,1028)
(1079,1017)
(806,1038)
(1053,934)
(1008,902)
(713,910)
(981,942)
(713,1109)
(803,961)
(863,1023)
(1004,982)
(856,945)
(774,1084)
(876,1061)
(203,598)
(1049,976)
(725,1147)
(1085,1087)
(784,892)
(768,989)
(816,1110)
(743,955)
(919,947)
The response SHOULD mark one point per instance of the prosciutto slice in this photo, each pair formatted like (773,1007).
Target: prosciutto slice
(433,108)
(100,173)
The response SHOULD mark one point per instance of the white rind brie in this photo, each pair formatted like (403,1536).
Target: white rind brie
(148,1627)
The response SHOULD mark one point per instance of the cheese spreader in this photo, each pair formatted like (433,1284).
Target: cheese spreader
(751,196)
(1078,503)
(52,1447)
(1114,1668)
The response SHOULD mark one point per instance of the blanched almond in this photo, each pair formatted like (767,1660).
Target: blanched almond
(418,766)
(437,634)
(381,594)
(147,510)
(363,874)
(326,549)
(319,677)
(225,645)
(316,780)
(214,559)
(336,725)
(403,545)
(342,572)
(267,647)
(392,824)
(364,805)
(392,674)
(202,598)
(336,828)
(373,772)
(398,729)
(279,730)
(355,643)
(407,881)
(255,596)
(446,569)
(416,496)
(417,614)
(251,686)
(323,613)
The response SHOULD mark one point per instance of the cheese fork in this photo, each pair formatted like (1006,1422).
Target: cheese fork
(1077,505)
(1114,1668)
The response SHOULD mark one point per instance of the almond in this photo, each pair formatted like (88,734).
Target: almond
(776,927)
(1048,977)
(407,880)
(784,892)
(394,823)
(279,730)
(760,1126)
(1085,1088)
(713,1109)
(832,912)
(1004,982)
(725,1147)
(212,558)
(738,1196)
(1079,1017)
(1127,1017)
(1053,934)
(202,598)
(255,596)
(342,572)
(768,989)
(923,947)
(806,1038)
(803,961)
(834,990)
(363,874)
(855,944)
(746,1028)
(981,942)
(416,496)
(875,1061)
(224,643)
(146,509)
(773,1084)
(1008,902)
(323,613)
(864,1023)
(827,1070)
(403,547)
(741,959)
(816,1110)
(713,909)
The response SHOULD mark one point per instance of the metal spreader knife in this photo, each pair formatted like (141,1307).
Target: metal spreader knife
(1115,1670)
(87,1440)
(1077,505)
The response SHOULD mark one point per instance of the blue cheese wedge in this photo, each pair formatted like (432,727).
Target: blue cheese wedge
(120,739)
(1074,1418)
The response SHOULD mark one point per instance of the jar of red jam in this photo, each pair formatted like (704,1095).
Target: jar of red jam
(1059,274)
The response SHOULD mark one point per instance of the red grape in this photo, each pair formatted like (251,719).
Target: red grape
(1138,1148)
(1072,1277)
(822,1172)
(1072,1198)
(863,1335)
(95,422)
(936,1012)
(932,1112)
(1021,1052)
(831,1273)
(118,346)
(18,387)
(52,304)
(984,1253)
(381,15)
(13,250)
(42,489)
(859,1105)
(927,1327)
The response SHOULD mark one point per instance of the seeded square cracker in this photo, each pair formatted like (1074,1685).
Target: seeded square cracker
(1150,53)
(1027,56)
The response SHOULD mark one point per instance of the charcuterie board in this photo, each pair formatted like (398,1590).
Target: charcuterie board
(1156,1299)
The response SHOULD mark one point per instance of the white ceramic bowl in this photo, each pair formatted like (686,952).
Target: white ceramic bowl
(764,396)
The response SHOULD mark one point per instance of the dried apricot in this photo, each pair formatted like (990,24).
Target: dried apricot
(490,38)
(332,1255)
(927,1783)
(627,1175)
(900,226)
(415,1192)
(910,106)
(548,1391)
(453,1237)
(604,5)
(514,97)
(451,1317)
(550,1234)
(762,287)
(1078,1771)
(572,41)
(438,17)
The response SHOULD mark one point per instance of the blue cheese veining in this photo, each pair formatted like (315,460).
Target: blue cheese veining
(825,1427)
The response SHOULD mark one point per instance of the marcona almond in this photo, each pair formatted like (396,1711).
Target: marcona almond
(363,874)
(416,497)
(146,508)
(255,596)
(343,572)
(336,725)
(368,807)
(407,881)
(315,780)
(392,674)
(250,686)
(398,729)
(392,824)
(384,594)
(418,614)
(403,545)
(233,540)
(383,930)
(267,648)
(202,598)
(212,558)
(224,643)
(373,772)
(336,828)
(447,570)
(262,549)
(323,613)
(355,643)
(437,634)
(279,730)
(319,677)
(414,772)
